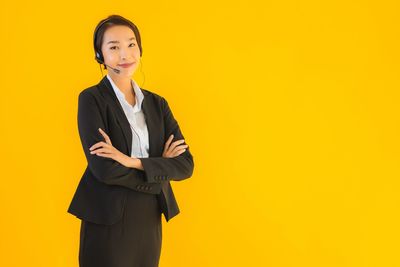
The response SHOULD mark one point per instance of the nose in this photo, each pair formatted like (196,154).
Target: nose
(124,53)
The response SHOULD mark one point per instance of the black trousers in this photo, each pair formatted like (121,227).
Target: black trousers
(134,241)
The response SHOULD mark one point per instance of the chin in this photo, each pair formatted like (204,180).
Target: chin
(124,73)
(130,73)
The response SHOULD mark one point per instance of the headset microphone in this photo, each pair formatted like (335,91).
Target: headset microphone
(114,69)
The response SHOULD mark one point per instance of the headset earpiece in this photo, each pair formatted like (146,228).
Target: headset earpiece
(98,58)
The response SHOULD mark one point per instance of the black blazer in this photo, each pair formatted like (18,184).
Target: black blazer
(101,193)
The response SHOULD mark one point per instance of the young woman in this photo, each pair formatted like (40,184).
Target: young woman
(134,148)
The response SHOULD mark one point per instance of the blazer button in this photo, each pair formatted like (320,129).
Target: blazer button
(150,187)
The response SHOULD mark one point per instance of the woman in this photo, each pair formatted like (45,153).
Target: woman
(127,134)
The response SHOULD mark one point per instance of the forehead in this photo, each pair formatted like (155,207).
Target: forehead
(118,33)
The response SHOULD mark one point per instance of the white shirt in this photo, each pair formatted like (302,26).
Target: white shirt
(136,118)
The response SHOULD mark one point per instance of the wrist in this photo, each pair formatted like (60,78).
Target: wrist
(138,164)
(125,160)
(134,163)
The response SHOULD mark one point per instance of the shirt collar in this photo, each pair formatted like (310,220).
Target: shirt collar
(138,93)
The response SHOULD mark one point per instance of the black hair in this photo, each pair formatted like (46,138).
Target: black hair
(106,23)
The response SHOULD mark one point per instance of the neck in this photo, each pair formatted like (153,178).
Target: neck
(123,83)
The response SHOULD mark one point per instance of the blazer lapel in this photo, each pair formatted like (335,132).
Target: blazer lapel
(153,125)
(106,87)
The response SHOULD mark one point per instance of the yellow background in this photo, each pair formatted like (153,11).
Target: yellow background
(290,108)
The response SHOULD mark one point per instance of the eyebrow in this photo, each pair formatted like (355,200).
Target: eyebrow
(117,42)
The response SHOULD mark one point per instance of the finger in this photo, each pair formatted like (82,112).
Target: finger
(99,144)
(106,137)
(100,150)
(168,141)
(104,155)
(174,144)
(178,152)
(178,148)
(173,148)
(179,141)
(103,149)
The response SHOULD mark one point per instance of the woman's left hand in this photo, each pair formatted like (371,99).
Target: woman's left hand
(106,149)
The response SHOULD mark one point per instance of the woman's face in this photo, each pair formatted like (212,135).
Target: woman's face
(120,47)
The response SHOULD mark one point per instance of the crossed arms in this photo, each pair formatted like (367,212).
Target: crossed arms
(109,171)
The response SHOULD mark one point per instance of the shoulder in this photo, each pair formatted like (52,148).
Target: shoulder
(93,93)
(92,90)
(154,97)
(91,97)
(88,94)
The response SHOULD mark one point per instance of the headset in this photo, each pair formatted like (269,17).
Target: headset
(99,56)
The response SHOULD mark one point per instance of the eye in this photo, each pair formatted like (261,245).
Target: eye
(112,47)
(133,44)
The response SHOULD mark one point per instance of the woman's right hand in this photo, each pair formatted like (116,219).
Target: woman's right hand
(174,149)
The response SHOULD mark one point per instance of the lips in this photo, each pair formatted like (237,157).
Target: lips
(127,65)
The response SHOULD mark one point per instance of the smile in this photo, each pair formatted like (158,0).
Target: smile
(125,65)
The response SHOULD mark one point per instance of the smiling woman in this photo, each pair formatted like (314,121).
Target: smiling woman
(134,148)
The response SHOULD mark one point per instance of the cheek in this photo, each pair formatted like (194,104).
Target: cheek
(109,56)
(137,51)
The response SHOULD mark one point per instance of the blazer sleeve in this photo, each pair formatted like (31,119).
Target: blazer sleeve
(105,169)
(158,169)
